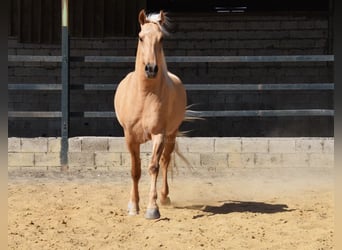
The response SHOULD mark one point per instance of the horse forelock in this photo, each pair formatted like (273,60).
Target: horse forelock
(156,19)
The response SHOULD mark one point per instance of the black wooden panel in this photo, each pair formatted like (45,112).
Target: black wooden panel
(109,17)
(39,21)
(36,21)
(99,18)
(76,17)
(13,23)
(88,18)
(132,17)
(25,21)
(57,22)
(248,5)
(47,20)
(50,24)
(119,17)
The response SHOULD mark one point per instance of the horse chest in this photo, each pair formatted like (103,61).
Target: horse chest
(153,117)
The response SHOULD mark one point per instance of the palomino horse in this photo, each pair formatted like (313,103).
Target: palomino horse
(150,104)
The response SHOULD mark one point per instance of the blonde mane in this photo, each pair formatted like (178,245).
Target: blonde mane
(155,18)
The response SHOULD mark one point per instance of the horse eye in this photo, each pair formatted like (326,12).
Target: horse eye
(161,39)
(140,39)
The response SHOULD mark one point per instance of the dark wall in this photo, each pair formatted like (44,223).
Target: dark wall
(300,33)
(238,5)
(39,21)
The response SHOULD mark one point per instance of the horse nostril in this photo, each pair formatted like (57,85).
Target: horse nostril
(147,67)
(155,69)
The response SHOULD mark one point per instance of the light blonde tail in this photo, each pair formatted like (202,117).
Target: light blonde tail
(190,116)
(181,156)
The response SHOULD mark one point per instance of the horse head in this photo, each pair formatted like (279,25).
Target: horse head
(150,44)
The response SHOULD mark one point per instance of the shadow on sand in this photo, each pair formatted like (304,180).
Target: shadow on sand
(238,207)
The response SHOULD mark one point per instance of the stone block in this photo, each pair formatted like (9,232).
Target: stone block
(92,144)
(14,144)
(282,145)
(309,145)
(20,159)
(47,159)
(54,145)
(234,160)
(214,160)
(254,145)
(75,144)
(81,159)
(295,160)
(241,160)
(192,160)
(324,160)
(248,160)
(145,159)
(328,145)
(182,144)
(107,159)
(38,144)
(228,145)
(267,160)
(146,147)
(117,144)
(200,145)
(125,160)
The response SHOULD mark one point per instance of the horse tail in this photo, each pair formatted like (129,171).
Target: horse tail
(174,166)
(190,116)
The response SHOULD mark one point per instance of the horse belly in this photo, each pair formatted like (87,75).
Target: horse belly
(165,122)
(153,123)
(177,107)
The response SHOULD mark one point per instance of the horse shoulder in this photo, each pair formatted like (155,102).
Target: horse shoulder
(122,94)
(124,86)
(126,80)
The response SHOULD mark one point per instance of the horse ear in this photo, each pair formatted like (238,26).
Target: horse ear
(162,17)
(142,17)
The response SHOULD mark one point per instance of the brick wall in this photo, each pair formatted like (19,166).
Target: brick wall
(249,34)
(203,153)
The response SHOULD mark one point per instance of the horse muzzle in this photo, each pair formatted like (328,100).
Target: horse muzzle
(151,70)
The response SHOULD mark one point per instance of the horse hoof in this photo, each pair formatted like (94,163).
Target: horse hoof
(132,210)
(165,202)
(152,213)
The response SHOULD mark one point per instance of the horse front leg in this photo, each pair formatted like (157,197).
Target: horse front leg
(152,211)
(134,149)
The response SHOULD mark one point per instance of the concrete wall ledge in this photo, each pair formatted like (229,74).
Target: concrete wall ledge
(204,153)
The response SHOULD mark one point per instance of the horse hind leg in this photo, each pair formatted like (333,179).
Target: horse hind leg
(152,211)
(165,161)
